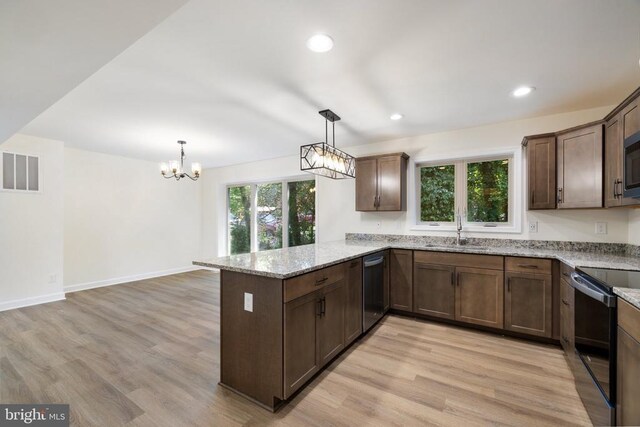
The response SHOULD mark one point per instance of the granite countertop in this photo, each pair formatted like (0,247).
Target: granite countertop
(632,296)
(289,262)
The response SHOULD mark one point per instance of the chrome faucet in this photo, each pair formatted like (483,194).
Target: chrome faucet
(459,240)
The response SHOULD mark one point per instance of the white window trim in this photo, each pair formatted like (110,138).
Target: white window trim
(254,214)
(516,189)
(15,153)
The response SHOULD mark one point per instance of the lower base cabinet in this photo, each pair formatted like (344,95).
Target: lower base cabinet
(528,304)
(628,375)
(480,296)
(434,290)
(456,287)
(353,309)
(313,333)
(301,358)
(401,279)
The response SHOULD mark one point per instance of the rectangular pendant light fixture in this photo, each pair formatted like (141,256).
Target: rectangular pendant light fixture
(324,159)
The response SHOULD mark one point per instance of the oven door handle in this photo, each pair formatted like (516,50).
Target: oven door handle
(592,291)
(376,261)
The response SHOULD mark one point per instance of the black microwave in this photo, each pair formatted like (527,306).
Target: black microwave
(632,166)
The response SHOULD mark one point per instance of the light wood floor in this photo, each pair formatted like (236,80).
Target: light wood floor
(146,354)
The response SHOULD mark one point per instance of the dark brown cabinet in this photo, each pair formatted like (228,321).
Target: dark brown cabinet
(467,288)
(381,183)
(628,369)
(401,279)
(300,340)
(330,322)
(480,296)
(313,333)
(580,171)
(386,285)
(567,312)
(528,298)
(434,290)
(353,309)
(617,128)
(630,118)
(541,165)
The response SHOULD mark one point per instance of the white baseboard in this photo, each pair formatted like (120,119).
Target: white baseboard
(127,279)
(26,302)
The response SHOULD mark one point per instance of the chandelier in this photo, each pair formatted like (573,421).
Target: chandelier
(175,168)
(324,159)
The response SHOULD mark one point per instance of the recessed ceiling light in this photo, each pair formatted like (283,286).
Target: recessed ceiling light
(320,43)
(396,116)
(522,91)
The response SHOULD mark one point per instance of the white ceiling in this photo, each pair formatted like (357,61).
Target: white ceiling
(48,47)
(235,79)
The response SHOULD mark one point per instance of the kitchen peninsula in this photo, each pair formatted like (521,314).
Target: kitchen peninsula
(286,313)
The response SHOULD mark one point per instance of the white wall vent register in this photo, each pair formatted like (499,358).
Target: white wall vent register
(20,172)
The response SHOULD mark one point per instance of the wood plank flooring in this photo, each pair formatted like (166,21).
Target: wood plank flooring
(147,354)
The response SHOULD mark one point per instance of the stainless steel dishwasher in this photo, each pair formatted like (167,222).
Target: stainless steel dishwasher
(373,289)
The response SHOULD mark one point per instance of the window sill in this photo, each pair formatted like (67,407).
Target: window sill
(511,229)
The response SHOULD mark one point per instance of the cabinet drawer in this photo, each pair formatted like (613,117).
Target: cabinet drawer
(629,319)
(528,265)
(310,282)
(491,262)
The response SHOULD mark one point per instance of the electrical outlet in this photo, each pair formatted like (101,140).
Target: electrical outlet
(533,226)
(248,302)
(53,278)
(378,225)
(601,228)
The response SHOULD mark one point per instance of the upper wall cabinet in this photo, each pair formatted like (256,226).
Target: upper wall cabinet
(580,167)
(541,161)
(381,183)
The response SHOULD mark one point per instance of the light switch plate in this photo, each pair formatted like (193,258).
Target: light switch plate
(248,302)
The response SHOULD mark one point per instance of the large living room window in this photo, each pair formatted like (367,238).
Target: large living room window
(479,190)
(259,213)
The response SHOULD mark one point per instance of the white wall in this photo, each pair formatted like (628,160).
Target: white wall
(336,199)
(634,226)
(31,231)
(124,222)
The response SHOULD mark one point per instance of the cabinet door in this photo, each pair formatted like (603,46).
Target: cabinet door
(330,325)
(628,380)
(391,179)
(630,117)
(401,279)
(353,308)
(629,124)
(528,304)
(434,290)
(541,163)
(567,329)
(580,168)
(366,185)
(300,352)
(386,285)
(480,296)
(613,163)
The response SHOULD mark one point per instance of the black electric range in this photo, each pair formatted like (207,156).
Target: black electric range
(595,322)
(610,278)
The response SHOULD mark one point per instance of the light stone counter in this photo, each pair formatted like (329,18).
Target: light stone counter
(290,262)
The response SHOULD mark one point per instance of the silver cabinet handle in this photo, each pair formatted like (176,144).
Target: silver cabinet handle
(559,195)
